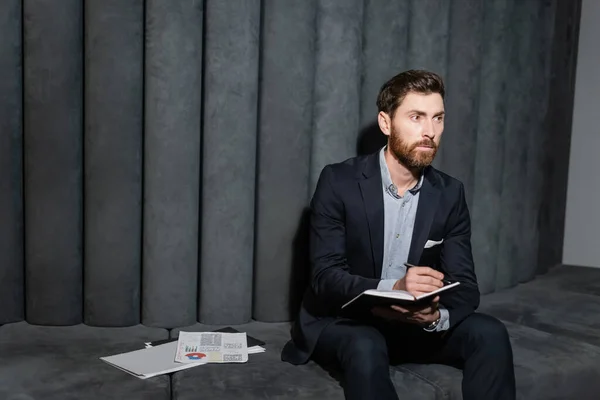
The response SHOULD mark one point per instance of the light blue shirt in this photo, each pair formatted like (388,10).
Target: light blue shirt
(399,222)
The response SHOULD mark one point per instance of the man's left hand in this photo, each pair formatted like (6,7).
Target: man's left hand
(421,315)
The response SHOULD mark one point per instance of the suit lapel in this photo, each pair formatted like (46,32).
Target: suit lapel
(372,195)
(428,204)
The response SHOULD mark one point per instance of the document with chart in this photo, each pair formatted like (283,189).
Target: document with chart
(211,347)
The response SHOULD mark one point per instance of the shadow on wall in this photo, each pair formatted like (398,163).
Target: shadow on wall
(300,264)
(370,139)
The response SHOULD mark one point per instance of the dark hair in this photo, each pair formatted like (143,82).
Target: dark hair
(393,92)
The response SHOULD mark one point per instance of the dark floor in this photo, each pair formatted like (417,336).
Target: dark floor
(554,324)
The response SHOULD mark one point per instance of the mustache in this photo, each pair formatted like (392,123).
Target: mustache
(425,143)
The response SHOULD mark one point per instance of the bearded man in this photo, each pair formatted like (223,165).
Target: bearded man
(391,221)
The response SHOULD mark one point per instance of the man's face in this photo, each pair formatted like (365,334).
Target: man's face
(415,131)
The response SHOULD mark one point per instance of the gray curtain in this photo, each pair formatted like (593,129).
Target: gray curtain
(157,157)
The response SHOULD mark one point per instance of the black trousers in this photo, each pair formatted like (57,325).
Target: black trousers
(363,351)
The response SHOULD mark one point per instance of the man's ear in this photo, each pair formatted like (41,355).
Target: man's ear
(385,123)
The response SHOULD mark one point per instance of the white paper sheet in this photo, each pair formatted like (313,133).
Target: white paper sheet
(211,347)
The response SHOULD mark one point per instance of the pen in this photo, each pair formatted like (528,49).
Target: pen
(446,282)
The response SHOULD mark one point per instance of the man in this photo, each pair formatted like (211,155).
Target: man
(370,216)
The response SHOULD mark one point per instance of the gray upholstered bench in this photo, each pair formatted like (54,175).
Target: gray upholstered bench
(553,321)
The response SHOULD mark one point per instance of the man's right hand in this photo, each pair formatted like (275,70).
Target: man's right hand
(420,280)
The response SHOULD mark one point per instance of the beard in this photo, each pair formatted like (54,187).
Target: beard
(409,155)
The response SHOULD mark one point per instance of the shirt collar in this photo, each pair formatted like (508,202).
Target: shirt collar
(386,178)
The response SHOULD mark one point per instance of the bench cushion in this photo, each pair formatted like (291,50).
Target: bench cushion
(584,280)
(62,363)
(553,323)
(561,312)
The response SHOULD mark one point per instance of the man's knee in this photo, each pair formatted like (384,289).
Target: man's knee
(365,353)
(488,334)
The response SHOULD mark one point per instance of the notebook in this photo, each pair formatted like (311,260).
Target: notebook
(149,362)
(376,297)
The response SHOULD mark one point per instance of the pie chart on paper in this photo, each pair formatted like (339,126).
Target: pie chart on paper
(195,356)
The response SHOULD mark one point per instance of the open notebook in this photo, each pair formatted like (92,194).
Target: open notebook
(375,297)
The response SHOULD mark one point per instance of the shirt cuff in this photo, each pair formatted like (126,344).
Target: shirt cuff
(444,323)
(386,284)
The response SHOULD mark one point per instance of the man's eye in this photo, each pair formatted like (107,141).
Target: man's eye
(415,117)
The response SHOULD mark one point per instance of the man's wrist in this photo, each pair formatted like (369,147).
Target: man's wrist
(399,285)
(433,325)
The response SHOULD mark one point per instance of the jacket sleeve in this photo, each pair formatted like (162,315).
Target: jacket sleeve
(457,264)
(331,280)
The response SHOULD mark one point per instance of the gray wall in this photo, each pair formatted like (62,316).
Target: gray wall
(157,157)
(582,225)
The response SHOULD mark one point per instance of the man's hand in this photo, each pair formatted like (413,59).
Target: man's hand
(420,280)
(420,315)
(417,281)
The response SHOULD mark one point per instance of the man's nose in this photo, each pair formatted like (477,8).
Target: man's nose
(428,130)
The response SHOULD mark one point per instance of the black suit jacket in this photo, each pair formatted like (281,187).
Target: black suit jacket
(346,245)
